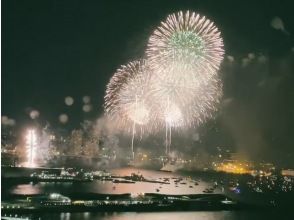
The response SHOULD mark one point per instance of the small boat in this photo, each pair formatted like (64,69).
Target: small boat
(122,181)
(207,191)
(228,202)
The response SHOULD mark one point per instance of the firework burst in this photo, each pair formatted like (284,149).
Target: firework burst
(187,41)
(127,95)
(184,53)
(127,98)
(177,86)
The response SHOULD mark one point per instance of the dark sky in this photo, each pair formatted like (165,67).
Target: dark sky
(52,49)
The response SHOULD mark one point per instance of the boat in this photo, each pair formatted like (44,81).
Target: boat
(122,181)
(228,202)
(137,177)
(207,191)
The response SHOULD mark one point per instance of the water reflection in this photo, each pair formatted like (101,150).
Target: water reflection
(168,215)
(142,216)
(117,188)
(26,189)
(217,215)
(64,216)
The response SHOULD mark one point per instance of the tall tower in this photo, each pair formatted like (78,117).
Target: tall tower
(31,147)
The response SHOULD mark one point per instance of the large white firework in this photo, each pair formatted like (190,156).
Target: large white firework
(127,95)
(184,54)
(187,41)
(127,100)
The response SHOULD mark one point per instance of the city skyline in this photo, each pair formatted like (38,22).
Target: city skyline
(147,109)
(76,51)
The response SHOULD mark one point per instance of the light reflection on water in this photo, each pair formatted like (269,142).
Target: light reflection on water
(141,216)
(118,188)
(138,187)
(168,215)
(26,189)
(217,215)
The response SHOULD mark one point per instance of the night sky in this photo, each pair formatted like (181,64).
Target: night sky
(53,49)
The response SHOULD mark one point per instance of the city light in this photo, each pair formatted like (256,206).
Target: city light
(31,141)
(147,110)
(237,168)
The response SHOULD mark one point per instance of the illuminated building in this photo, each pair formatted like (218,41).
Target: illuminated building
(31,142)
(288,172)
(233,166)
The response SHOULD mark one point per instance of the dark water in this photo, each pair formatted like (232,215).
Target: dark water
(219,215)
(139,187)
(107,186)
